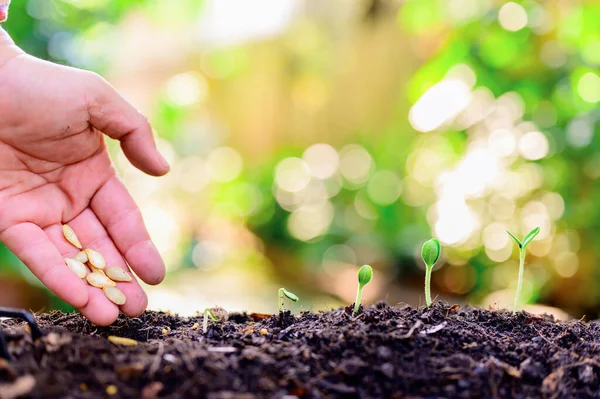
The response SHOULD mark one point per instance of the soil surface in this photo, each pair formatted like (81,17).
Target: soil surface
(386,352)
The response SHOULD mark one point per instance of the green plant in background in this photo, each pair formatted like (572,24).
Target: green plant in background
(522,249)
(365,275)
(430,254)
(283,293)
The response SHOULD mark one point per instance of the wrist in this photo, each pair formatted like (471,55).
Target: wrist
(8,48)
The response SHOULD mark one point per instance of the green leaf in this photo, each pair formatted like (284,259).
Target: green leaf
(210,314)
(515,238)
(365,275)
(530,236)
(431,252)
(291,296)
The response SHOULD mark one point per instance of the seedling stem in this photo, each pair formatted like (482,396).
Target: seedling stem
(430,253)
(207,314)
(282,294)
(365,275)
(522,252)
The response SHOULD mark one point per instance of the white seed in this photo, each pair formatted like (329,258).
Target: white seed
(114,294)
(77,267)
(71,236)
(95,259)
(115,273)
(81,256)
(99,280)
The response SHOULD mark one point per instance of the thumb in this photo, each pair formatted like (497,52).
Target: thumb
(110,113)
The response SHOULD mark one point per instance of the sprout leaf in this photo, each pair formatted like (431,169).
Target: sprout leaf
(515,238)
(530,236)
(431,252)
(365,275)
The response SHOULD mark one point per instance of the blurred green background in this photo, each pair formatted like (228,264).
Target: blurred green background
(308,138)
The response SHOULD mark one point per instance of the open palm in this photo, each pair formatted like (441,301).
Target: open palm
(55,169)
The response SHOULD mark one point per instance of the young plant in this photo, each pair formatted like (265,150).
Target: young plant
(522,246)
(365,275)
(282,294)
(430,254)
(207,313)
(217,314)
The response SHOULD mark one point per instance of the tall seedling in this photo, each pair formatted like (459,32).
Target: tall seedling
(522,246)
(430,253)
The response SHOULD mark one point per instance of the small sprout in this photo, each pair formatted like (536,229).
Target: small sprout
(217,314)
(166,330)
(365,275)
(282,293)
(430,253)
(522,250)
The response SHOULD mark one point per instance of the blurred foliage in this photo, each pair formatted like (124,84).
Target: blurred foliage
(388,193)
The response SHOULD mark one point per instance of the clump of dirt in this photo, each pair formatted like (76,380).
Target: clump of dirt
(442,351)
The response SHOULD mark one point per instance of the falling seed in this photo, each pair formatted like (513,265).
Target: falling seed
(111,390)
(114,294)
(122,341)
(115,273)
(71,236)
(99,280)
(81,256)
(77,267)
(95,258)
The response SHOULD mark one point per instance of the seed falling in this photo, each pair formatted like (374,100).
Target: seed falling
(81,256)
(77,267)
(95,259)
(114,294)
(71,236)
(99,280)
(115,273)
(111,390)
(122,341)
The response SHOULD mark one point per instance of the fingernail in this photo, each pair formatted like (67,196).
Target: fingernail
(164,162)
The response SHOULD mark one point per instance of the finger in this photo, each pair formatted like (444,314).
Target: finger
(122,219)
(36,250)
(93,235)
(117,118)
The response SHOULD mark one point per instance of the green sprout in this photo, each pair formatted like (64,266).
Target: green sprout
(365,275)
(430,254)
(283,293)
(207,313)
(522,245)
(216,314)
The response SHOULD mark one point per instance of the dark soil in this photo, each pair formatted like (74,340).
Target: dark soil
(441,352)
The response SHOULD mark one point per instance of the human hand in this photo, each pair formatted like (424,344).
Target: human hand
(55,169)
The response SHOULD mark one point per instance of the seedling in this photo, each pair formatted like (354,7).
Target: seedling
(430,254)
(217,314)
(207,313)
(365,275)
(282,294)
(522,246)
